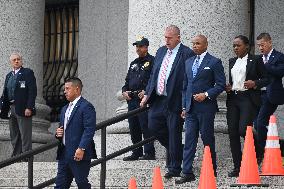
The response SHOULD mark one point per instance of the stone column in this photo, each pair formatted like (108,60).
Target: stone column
(269,18)
(219,20)
(22,24)
(103,52)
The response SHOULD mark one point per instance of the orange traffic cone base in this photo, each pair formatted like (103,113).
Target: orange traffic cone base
(272,162)
(249,185)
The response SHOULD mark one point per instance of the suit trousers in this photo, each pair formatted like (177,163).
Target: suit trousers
(20,132)
(138,125)
(167,126)
(196,122)
(69,169)
(241,113)
(266,110)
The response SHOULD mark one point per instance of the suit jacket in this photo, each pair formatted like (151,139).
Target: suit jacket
(25,93)
(275,69)
(174,82)
(80,130)
(210,78)
(255,71)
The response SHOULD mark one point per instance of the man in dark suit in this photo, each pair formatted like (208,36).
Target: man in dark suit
(273,95)
(204,80)
(18,104)
(76,132)
(163,93)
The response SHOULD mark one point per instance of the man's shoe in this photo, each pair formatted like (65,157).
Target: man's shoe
(131,158)
(169,175)
(186,178)
(147,157)
(234,173)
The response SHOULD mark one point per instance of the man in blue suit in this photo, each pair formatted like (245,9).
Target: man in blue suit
(204,80)
(273,95)
(76,132)
(18,104)
(163,93)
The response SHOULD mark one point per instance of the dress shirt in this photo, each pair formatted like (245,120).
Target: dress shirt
(201,58)
(238,73)
(268,56)
(169,68)
(68,113)
(16,71)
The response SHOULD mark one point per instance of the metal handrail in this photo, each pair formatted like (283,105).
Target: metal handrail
(100,126)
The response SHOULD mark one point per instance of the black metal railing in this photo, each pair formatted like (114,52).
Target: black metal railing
(100,126)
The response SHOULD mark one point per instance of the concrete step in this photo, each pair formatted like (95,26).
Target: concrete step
(119,172)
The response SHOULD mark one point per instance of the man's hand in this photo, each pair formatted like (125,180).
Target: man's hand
(249,84)
(79,154)
(143,101)
(141,94)
(28,112)
(199,97)
(125,95)
(183,114)
(59,132)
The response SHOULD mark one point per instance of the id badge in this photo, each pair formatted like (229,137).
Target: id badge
(22,84)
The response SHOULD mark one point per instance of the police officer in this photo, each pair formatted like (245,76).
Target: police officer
(133,91)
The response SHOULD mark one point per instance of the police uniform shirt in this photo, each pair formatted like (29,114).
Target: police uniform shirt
(138,73)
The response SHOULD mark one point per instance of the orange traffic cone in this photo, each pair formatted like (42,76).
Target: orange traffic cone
(249,175)
(132,183)
(157,182)
(207,178)
(272,162)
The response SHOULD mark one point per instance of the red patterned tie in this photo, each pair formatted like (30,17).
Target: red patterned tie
(163,73)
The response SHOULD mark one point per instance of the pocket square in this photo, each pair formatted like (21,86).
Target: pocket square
(207,68)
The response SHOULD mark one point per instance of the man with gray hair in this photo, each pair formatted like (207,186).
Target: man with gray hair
(17,104)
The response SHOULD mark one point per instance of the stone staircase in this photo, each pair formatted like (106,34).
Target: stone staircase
(119,172)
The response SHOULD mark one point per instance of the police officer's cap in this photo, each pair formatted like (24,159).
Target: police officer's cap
(141,41)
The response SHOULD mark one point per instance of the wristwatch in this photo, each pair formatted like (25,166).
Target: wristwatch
(83,149)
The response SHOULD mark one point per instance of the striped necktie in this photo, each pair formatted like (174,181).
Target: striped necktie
(163,72)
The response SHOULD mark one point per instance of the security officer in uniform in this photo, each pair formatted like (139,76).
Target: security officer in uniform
(133,91)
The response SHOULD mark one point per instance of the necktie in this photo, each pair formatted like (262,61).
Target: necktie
(66,118)
(164,67)
(265,58)
(195,66)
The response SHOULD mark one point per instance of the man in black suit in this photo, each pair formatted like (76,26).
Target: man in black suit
(273,95)
(18,104)
(163,93)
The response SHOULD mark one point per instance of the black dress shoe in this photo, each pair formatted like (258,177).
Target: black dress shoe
(131,158)
(147,157)
(234,173)
(169,175)
(186,178)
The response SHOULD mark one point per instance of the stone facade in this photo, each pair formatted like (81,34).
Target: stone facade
(22,31)
(107,30)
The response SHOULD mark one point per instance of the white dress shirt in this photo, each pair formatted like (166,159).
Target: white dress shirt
(238,73)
